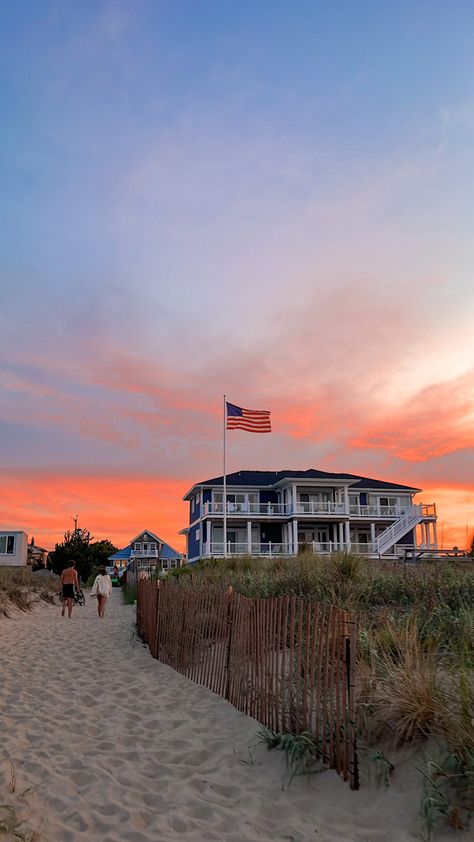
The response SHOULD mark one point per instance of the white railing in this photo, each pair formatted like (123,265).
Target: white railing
(397,530)
(326,507)
(269,548)
(144,553)
(263,509)
(312,508)
(356,510)
(276,549)
(278,509)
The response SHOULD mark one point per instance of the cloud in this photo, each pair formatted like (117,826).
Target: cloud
(114,505)
(437,421)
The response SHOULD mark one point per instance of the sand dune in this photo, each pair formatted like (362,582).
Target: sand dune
(113,746)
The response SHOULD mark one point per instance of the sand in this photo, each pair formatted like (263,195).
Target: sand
(110,745)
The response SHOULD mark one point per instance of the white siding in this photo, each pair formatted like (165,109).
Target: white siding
(19,555)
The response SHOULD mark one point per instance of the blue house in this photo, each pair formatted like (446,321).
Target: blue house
(147,552)
(281,512)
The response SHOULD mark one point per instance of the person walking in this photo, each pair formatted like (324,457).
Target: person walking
(102,588)
(69,581)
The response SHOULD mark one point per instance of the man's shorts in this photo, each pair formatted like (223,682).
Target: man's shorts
(68,591)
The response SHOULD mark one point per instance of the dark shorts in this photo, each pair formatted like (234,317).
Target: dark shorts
(68,591)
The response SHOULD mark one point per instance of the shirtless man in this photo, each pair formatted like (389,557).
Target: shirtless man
(69,581)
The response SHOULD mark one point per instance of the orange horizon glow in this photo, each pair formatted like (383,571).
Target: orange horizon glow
(118,507)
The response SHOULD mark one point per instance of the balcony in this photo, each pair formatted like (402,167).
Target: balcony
(239,509)
(215,549)
(145,553)
(314,509)
(275,509)
(356,510)
(268,549)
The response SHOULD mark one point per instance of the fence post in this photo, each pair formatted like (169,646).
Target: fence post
(351,654)
(158,585)
(230,603)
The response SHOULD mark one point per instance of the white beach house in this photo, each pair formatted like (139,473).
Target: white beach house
(13,548)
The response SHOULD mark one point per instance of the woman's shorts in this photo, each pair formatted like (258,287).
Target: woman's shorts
(68,591)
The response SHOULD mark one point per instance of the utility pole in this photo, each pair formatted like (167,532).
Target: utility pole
(75,526)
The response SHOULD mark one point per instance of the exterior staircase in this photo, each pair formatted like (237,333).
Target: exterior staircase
(408,520)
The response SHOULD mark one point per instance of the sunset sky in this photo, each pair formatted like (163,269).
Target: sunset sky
(274,200)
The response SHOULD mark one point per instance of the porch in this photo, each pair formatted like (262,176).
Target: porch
(269,549)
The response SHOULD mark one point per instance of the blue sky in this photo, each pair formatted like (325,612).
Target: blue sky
(269,199)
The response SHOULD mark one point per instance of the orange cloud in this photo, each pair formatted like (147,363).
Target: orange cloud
(439,420)
(114,507)
(118,506)
(455,509)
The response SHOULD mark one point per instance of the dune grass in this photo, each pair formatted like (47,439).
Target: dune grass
(416,654)
(21,589)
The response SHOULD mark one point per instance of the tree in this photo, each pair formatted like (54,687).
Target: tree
(79,546)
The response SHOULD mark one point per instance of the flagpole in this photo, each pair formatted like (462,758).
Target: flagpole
(224,491)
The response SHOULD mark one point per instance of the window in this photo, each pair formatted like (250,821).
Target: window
(238,501)
(7,544)
(198,498)
(137,545)
(198,534)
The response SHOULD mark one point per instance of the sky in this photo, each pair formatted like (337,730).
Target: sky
(271,200)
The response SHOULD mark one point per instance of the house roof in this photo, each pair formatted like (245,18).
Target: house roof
(167,551)
(121,554)
(272,478)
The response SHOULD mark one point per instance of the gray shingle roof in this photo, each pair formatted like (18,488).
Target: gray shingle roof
(270,478)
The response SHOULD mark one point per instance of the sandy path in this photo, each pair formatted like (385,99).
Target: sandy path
(120,747)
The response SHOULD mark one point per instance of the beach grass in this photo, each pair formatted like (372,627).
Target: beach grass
(21,589)
(415,681)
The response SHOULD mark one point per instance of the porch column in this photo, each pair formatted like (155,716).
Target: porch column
(209,537)
(295,537)
(423,534)
(293,497)
(435,536)
(428,536)
(347,532)
(346,499)
(372,534)
(341,535)
(249,537)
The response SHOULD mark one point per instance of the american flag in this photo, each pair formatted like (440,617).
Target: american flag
(252,420)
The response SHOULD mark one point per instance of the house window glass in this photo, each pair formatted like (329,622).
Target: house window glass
(137,545)
(7,544)
(198,534)
(388,501)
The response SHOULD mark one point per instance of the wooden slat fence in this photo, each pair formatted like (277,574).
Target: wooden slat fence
(287,662)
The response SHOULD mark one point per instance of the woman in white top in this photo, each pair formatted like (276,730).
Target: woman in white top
(102,588)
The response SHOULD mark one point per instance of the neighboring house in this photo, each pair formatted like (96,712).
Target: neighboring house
(13,548)
(282,512)
(147,552)
(37,556)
